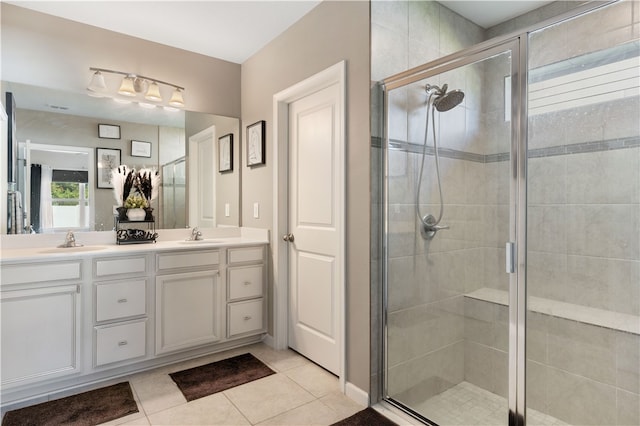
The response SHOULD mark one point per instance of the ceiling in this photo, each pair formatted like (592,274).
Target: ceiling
(228,30)
(231,30)
(490,13)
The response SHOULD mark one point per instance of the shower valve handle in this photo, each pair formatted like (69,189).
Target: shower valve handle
(439,227)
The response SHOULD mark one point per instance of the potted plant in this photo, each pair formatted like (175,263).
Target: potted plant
(135,205)
(135,190)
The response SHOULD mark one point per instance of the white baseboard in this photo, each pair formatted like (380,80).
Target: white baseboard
(357,394)
(269,340)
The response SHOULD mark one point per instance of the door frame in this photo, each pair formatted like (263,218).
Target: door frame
(335,74)
(193,203)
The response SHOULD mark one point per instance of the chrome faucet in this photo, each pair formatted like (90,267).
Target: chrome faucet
(70,241)
(196,235)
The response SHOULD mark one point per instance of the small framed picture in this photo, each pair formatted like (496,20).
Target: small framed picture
(225,153)
(256,143)
(140,149)
(106,161)
(108,131)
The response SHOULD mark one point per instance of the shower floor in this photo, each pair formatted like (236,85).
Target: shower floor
(467,404)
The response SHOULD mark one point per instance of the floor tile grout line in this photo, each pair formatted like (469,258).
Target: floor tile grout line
(236,407)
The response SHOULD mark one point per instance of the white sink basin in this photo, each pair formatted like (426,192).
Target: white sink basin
(203,241)
(76,249)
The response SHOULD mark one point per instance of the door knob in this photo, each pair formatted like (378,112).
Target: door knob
(288,237)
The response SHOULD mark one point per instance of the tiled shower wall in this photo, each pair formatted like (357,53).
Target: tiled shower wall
(584,235)
(584,227)
(426,322)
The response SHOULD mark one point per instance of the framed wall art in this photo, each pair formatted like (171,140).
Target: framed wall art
(256,143)
(140,149)
(106,160)
(225,153)
(108,131)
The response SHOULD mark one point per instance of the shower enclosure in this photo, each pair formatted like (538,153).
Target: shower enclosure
(509,227)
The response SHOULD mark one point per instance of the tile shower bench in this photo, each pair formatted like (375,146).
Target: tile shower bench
(569,311)
(570,348)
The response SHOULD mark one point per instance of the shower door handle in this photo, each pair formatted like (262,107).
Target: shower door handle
(510,260)
(288,237)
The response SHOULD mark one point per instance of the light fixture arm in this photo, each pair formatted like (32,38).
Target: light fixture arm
(136,75)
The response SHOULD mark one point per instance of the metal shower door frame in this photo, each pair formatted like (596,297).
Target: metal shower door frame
(518,43)
(517,208)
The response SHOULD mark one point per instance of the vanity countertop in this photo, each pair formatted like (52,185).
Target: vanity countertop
(99,244)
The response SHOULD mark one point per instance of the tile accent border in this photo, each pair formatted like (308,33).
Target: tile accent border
(577,148)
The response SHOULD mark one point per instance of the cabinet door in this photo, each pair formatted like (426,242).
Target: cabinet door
(188,310)
(40,334)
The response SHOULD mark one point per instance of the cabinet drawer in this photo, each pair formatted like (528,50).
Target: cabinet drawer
(41,272)
(187,260)
(245,282)
(120,299)
(119,266)
(245,317)
(120,342)
(248,254)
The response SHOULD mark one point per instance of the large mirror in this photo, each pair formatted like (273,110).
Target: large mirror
(62,181)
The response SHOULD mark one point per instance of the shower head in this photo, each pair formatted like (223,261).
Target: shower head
(449,100)
(444,100)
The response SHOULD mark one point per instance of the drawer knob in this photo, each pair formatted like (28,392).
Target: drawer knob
(247,283)
(122,300)
(247,318)
(122,343)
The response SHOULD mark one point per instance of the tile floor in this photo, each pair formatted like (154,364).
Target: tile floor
(300,393)
(467,404)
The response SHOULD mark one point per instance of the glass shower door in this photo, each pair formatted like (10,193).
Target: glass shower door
(447,291)
(583,239)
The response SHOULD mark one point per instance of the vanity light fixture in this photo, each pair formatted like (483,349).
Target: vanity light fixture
(133,85)
(97,84)
(126,87)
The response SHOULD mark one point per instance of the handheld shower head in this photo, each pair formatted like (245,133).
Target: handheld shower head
(449,100)
(444,101)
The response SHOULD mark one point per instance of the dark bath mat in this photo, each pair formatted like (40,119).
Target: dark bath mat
(211,378)
(366,417)
(85,409)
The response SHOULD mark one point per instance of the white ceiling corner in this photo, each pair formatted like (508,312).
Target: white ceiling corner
(228,30)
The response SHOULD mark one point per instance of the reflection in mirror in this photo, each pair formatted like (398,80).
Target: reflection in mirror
(60,187)
(55,129)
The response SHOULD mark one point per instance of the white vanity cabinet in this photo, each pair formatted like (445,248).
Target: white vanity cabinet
(68,320)
(189,301)
(41,327)
(245,291)
(120,309)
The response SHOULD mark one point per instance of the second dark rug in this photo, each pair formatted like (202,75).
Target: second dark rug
(366,417)
(211,378)
(88,408)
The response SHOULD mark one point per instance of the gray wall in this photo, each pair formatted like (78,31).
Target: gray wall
(331,32)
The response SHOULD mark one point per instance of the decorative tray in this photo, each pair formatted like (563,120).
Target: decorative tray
(135,236)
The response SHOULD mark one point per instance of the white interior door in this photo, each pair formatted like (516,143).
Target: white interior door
(315,228)
(202,178)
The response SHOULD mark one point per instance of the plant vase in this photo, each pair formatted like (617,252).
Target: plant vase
(136,214)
